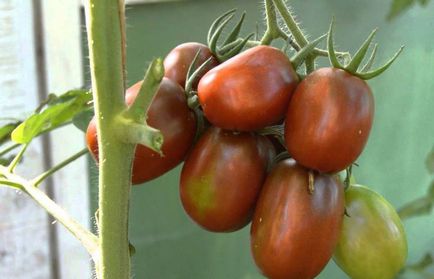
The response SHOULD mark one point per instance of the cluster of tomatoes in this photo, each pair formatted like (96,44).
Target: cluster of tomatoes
(231,175)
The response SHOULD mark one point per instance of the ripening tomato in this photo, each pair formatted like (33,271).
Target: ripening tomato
(222,177)
(329,119)
(372,244)
(170,114)
(294,232)
(249,91)
(178,61)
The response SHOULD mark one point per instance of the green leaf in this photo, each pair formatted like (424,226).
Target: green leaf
(400,6)
(6,130)
(4,161)
(82,119)
(58,111)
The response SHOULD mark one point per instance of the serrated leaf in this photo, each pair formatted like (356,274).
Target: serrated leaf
(58,111)
(82,119)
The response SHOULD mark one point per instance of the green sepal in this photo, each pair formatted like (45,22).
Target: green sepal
(193,76)
(370,61)
(233,35)
(300,56)
(216,22)
(234,51)
(378,71)
(331,49)
(354,64)
(212,43)
(190,71)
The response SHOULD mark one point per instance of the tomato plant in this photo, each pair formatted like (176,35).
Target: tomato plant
(329,119)
(294,232)
(169,113)
(249,91)
(372,242)
(297,209)
(221,178)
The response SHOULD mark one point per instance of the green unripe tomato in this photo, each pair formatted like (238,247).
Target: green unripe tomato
(372,244)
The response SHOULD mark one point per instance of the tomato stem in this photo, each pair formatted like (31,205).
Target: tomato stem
(290,22)
(149,87)
(9,149)
(106,42)
(40,178)
(17,158)
(88,239)
(273,30)
(132,132)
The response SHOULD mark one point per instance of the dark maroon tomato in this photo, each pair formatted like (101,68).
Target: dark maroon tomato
(329,119)
(293,232)
(178,61)
(170,114)
(249,91)
(222,177)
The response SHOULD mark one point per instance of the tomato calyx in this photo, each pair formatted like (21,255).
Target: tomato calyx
(306,51)
(353,65)
(232,45)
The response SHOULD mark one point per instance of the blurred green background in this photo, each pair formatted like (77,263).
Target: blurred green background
(170,246)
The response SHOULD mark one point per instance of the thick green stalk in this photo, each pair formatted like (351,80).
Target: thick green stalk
(105,27)
(290,22)
(89,240)
(273,30)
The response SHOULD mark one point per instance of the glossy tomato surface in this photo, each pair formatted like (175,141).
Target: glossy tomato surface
(222,177)
(372,244)
(249,91)
(170,114)
(329,119)
(294,232)
(178,61)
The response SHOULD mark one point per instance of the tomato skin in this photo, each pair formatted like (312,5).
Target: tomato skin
(293,232)
(178,61)
(170,114)
(372,244)
(329,119)
(221,178)
(249,91)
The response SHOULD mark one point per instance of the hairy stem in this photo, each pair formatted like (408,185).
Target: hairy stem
(40,178)
(105,29)
(273,30)
(89,240)
(290,22)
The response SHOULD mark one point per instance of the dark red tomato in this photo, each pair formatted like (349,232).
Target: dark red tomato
(170,114)
(293,232)
(329,119)
(249,91)
(178,61)
(222,177)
